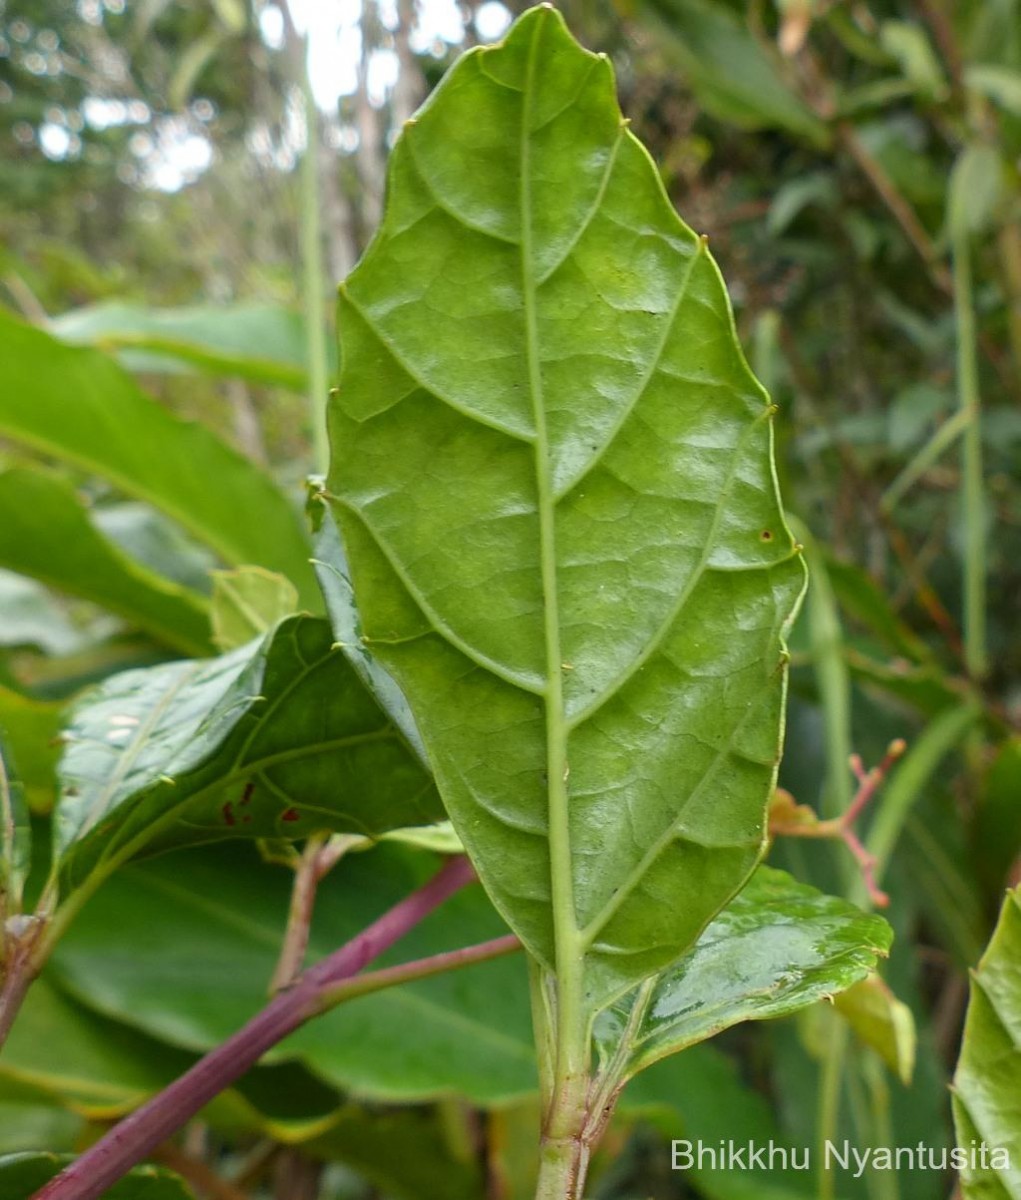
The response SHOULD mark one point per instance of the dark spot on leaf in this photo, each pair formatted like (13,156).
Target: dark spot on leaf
(246,795)
(766,535)
(290,814)
(228,814)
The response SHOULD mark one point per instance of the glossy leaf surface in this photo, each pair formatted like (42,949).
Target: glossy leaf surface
(553,475)
(777,947)
(276,739)
(987,1084)
(76,404)
(46,533)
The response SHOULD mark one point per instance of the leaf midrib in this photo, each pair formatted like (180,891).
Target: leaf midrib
(567,958)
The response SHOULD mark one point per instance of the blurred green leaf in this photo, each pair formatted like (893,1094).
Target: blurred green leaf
(220,915)
(976,187)
(700,1095)
(258,342)
(76,404)
(908,43)
(46,533)
(23,1174)
(731,72)
(996,833)
(430,1164)
(247,602)
(15,842)
(987,1084)
(29,731)
(798,194)
(32,616)
(882,1022)
(1000,84)
(88,1063)
(276,739)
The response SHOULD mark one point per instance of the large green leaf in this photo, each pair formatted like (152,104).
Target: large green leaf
(987,1085)
(553,474)
(76,404)
(220,915)
(260,342)
(276,739)
(21,1175)
(779,946)
(46,533)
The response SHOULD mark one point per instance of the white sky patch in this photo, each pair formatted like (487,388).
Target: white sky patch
(101,113)
(335,41)
(55,141)
(492,20)
(178,157)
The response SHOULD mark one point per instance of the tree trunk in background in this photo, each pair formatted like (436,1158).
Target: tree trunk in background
(409,90)
(371,154)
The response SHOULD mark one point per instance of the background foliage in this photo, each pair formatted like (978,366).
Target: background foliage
(855,166)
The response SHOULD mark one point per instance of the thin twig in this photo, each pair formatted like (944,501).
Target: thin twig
(789,819)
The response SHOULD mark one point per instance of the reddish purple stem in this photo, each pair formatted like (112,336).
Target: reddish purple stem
(128,1143)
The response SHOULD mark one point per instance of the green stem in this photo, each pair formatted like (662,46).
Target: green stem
(562,1169)
(829,1108)
(313,278)
(972,483)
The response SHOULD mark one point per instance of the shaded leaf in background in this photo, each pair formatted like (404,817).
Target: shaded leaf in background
(29,731)
(78,405)
(247,602)
(976,189)
(15,840)
(996,833)
(987,1083)
(65,1057)
(881,1021)
(552,472)
(431,1164)
(779,946)
(730,72)
(276,739)
(46,533)
(23,1174)
(258,342)
(32,616)
(221,914)
(97,1067)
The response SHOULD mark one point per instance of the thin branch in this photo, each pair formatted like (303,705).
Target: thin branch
(136,1136)
(421,968)
(789,819)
